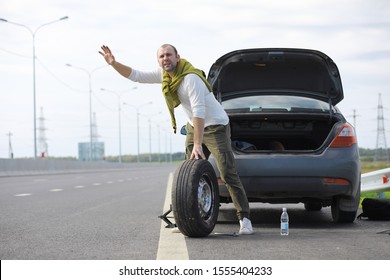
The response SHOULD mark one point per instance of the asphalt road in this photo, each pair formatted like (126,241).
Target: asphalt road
(114,215)
(105,215)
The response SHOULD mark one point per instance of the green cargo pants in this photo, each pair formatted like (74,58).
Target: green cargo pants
(216,141)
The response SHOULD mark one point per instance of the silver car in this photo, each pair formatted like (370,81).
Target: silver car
(290,141)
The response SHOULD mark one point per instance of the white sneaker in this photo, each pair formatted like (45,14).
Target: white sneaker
(245,226)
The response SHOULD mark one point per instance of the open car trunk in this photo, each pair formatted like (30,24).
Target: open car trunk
(256,133)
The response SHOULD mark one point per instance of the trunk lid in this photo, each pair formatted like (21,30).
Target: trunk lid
(298,72)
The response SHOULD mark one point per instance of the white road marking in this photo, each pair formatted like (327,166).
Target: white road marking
(96,184)
(171,246)
(110,182)
(23,194)
(79,187)
(56,190)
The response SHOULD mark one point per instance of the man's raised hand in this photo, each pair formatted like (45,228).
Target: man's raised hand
(107,54)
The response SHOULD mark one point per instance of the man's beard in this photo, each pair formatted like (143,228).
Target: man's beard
(170,68)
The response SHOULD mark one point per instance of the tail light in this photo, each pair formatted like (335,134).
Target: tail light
(337,181)
(346,137)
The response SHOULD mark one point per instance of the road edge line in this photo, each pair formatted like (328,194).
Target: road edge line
(171,246)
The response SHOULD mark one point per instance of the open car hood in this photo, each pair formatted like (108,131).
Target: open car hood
(299,72)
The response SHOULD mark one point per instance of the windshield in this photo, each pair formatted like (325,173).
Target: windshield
(282,103)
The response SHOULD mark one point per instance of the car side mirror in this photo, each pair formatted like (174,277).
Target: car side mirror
(183,130)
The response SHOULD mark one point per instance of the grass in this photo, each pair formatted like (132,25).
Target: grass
(373,165)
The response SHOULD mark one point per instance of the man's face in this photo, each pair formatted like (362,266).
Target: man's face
(167,58)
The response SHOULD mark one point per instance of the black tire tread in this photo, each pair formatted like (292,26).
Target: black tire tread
(184,194)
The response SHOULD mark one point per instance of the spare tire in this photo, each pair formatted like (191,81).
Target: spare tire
(195,198)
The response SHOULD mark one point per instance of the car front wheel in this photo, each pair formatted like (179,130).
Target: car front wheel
(195,198)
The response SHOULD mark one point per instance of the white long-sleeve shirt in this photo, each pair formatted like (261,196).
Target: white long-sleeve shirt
(195,98)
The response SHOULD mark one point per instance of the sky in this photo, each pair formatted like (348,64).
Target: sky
(354,33)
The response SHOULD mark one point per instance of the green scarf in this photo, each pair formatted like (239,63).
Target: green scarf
(171,84)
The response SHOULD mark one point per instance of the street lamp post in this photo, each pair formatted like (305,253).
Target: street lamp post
(137,109)
(118,95)
(89,73)
(159,143)
(166,144)
(33,33)
(150,134)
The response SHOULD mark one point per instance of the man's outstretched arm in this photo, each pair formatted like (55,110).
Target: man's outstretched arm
(122,69)
(197,150)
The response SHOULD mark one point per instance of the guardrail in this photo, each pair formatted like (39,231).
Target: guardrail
(18,167)
(376,181)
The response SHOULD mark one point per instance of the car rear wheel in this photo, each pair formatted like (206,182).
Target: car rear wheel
(195,198)
(341,216)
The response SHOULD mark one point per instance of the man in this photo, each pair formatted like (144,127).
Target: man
(208,129)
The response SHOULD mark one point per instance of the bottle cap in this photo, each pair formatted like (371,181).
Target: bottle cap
(284,209)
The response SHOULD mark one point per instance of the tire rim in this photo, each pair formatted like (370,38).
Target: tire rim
(205,198)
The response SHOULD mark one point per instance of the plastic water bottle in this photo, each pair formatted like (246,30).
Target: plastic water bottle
(284,222)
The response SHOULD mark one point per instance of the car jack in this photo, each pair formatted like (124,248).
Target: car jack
(165,218)
(234,234)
